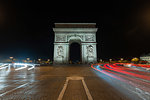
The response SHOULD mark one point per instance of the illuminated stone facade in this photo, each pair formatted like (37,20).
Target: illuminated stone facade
(82,33)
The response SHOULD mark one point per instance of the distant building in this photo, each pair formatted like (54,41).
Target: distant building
(145,58)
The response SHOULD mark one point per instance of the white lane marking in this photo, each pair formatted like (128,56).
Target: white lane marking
(14,89)
(63,90)
(60,97)
(75,78)
(87,90)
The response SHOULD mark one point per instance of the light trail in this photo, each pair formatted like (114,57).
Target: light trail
(14,89)
(22,67)
(3,66)
(4,73)
(25,66)
(117,69)
(138,82)
(31,68)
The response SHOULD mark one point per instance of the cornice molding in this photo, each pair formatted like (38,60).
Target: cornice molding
(73,30)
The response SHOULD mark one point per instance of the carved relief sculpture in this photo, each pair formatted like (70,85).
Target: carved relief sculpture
(60,51)
(80,36)
(89,38)
(90,51)
(60,38)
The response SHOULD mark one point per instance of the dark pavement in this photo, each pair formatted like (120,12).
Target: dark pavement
(47,82)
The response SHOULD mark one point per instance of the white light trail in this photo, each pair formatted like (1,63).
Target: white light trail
(25,66)
(14,89)
(20,65)
(31,68)
(3,66)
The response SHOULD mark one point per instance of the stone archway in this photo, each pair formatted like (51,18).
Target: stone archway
(75,52)
(82,33)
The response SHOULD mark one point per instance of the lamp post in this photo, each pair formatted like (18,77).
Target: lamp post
(28,60)
(121,59)
(11,58)
(39,60)
(100,60)
(48,60)
(110,60)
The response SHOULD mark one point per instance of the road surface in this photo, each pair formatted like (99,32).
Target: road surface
(70,82)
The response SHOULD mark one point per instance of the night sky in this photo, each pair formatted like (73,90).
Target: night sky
(26,27)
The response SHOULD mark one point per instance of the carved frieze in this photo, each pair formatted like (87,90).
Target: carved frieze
(89,37)
(60,38)
(74,35)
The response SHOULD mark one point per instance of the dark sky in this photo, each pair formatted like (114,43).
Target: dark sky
(26,27)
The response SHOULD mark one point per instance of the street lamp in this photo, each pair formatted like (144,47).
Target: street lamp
(28,60)
(39,60)
(48,59)
(100,60)
(121,59)
(11,58)
(110,60)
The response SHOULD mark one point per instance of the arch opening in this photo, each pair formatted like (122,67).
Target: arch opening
(75,53)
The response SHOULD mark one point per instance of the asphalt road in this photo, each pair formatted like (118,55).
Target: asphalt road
(48,83)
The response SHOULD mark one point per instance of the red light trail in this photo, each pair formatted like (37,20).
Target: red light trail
(136,78)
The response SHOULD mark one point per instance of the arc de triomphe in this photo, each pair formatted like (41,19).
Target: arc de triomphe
(68,33)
